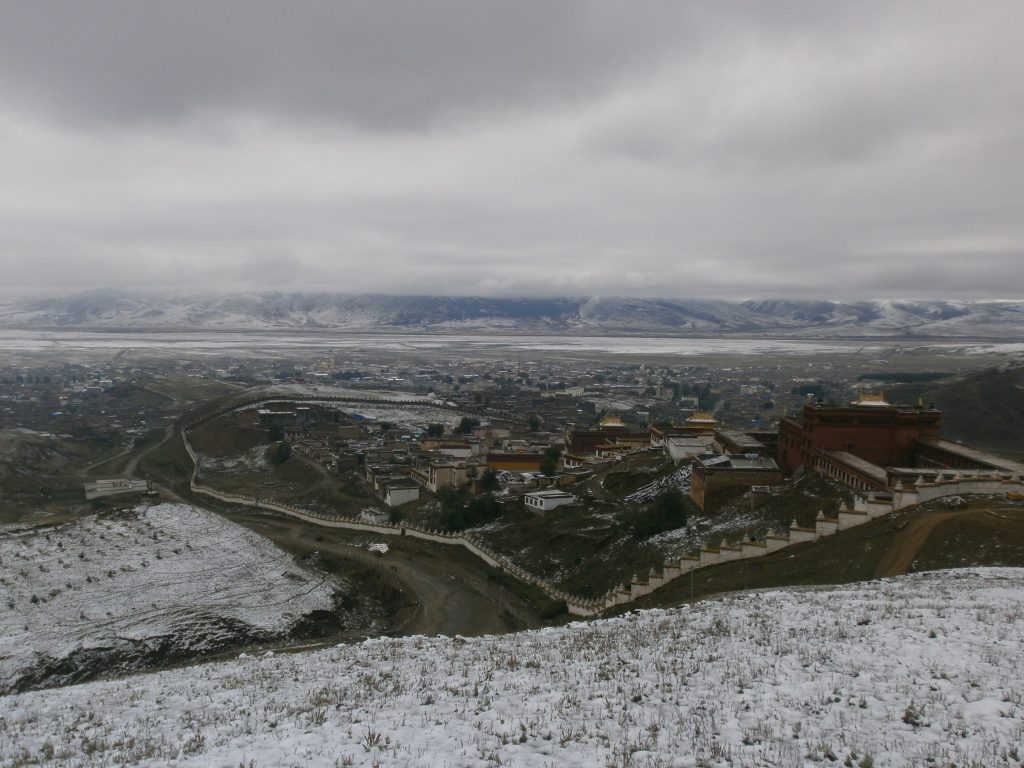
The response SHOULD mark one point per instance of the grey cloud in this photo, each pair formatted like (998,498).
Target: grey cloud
(396,65)
(515,148)
(768,98)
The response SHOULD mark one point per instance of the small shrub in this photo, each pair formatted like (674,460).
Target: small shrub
(665,513)
(318,716)
(279,453)
(193,745)
(912,715)
(372,739)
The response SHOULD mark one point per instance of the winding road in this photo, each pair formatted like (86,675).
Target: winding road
(451,598)
(907,543)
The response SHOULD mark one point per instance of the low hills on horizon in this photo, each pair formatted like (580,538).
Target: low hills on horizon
(890,319)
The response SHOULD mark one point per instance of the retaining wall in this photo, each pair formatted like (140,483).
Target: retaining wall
(960,485)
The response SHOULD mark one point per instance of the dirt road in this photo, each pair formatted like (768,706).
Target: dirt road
(133,463)
(450,597)
(908,542)
(87,469)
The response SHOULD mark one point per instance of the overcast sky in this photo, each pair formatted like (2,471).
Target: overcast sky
(677,149)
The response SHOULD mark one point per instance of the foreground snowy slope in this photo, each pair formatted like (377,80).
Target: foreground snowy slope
(919,671)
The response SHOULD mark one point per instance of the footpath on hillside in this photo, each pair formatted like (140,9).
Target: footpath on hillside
(908,541)
(451,597)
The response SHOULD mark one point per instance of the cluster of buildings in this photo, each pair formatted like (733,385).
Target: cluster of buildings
(868,445)
(97,404)
(594,415)
(399,463)
(871,446)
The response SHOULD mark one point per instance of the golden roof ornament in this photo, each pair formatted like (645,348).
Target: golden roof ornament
(870,400)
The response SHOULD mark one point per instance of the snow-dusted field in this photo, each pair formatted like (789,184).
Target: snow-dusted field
(920,671)
(159,579)
(262,345)
(405,409)
(680,479)
(251,460)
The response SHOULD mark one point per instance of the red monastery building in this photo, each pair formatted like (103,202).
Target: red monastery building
(870,445)
(869,429)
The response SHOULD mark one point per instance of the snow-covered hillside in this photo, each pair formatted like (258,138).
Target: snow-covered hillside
(600,314)
(920,671)
(165,581)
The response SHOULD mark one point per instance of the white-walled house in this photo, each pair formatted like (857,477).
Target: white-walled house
(685,448)
(545,501)
(397,491)
(375,516)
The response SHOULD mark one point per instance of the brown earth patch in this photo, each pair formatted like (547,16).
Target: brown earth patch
(955,538)
(228,435)
(907,542)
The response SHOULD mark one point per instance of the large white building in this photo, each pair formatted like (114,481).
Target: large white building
(685,448)
(545,501)
(114,487)
(397,491)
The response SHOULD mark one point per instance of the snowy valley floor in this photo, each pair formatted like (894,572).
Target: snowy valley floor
(923,670)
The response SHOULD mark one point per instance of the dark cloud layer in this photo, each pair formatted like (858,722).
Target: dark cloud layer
(509,148)
(381,65)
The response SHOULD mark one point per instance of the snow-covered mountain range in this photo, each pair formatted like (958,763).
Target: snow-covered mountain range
(601,315)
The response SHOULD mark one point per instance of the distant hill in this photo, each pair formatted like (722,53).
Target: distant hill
(983,408)
(285,311)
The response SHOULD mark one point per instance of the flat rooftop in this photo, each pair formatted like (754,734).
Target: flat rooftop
(738,461)
(398,483)
(866,468)
(998,462)
(694,442)
(742,462)
(741,438)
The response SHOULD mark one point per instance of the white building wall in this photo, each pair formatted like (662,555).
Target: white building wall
(396,497)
